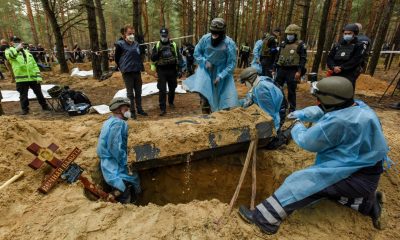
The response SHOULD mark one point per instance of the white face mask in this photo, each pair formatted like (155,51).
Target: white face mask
(164,39)
(131,38)
(214,36)
(248,85)
(127,115)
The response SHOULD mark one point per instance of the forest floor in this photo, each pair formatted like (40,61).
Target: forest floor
(189,198)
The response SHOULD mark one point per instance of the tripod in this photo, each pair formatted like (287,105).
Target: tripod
(396,86)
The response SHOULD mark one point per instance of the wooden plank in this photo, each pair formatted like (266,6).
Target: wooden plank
(53,178)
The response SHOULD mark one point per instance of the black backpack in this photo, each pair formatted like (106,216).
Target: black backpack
(74,102)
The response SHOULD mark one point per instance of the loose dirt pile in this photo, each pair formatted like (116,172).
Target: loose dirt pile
(65,213)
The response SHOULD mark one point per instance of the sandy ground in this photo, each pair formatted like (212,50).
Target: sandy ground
(65,213)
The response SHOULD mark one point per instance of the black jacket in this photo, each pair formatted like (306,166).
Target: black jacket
(127,56)
(355,60)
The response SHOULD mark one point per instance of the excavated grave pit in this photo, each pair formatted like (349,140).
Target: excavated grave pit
(207,179)
(199,157)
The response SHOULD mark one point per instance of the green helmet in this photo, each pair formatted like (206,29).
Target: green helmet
(293,29)
(333,91)
(218,25)
(118,102)
(248,74)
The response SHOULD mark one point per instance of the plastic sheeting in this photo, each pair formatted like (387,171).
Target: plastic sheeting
(81,74)
(13,96)
(149,89)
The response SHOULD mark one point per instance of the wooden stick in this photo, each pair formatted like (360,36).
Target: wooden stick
(254,176)
(11,180)
(239,186)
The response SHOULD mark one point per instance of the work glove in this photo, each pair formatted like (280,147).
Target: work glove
(296,114)
(247,103)
(208,65)
(216,81)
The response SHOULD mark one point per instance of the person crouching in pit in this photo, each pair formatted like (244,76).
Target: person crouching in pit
(112,151)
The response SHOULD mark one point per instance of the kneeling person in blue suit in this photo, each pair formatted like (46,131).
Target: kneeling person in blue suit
(351,149)
(112,150)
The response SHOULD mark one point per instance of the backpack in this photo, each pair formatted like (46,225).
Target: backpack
(265,50)
(74,102)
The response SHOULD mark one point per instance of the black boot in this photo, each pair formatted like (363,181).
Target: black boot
(376,211)
(142,112)
(133,115)
(46,108)
(249,216)
(25,112)
(163,112)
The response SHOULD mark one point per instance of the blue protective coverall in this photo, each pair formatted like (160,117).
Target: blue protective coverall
(256,56)
(350,147)
(267,96)
(112,151)
(223,95)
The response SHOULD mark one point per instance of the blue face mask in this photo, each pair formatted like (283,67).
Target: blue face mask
(290,38)
(348,37)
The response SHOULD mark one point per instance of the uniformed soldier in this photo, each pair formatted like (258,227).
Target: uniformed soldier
(290,63)
(167,60)
(244,55)
(364,39)
(269,51)
(347,56)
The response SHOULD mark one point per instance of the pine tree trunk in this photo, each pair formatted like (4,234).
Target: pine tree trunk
(290,13)
(374,29)
(190,21)
(380,36)
(321,36)
(396,44)
(136,16)
(146,21)
(330,31)
(103,36)
(48,34)
(31,21)
(57,35)
(94,38)
(39,21)
(304,20)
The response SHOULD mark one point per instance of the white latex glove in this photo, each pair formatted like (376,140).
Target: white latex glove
(208,65)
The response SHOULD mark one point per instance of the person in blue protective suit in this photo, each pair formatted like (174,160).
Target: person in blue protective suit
(112,151)
(264,93)
(256,62)
(215,55)
(351,149)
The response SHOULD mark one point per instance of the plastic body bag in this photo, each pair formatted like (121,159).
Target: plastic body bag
(268,97)
(345,141)
(256,56)
(223,95)
(112,151)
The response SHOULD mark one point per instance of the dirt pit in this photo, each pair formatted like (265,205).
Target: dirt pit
(205,180)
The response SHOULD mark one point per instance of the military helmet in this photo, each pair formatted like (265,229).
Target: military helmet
(248,74)
(118,102)
(333,90)
(218,25)
(292,29)
(351,27)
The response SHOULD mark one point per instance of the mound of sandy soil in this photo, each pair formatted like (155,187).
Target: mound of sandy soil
(65,213)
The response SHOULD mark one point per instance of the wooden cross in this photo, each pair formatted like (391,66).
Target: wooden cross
(64,169)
